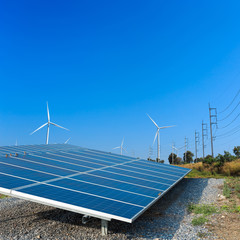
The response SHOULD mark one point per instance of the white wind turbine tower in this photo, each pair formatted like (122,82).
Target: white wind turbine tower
(121,147)
(158,137)
(48,123)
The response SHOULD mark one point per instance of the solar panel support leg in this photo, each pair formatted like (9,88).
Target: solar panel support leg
(86,219)
(104,227)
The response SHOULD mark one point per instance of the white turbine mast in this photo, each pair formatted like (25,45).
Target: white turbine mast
(48,123)
(121,147)
(157,135)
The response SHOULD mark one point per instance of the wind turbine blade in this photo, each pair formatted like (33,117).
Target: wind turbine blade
(155,137)
(48,113)
(122,141)
(116,147)
(67,141)
(153,121)
(59,126)
(167,127)
(39,128)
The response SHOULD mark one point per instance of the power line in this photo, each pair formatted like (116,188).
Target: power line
(230,122)
(230,132)
(229,113)
(230,141)
(230,103)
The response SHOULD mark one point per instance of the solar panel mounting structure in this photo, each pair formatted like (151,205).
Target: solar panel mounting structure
(90,182)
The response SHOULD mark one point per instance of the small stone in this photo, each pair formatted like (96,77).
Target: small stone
(221,197)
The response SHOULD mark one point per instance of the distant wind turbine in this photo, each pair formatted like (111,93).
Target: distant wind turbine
(121,147)
(48,123)
(177,149)
(157,135)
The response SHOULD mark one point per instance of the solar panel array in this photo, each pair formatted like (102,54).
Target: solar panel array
(96,183)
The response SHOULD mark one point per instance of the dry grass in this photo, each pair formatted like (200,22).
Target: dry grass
(198,166)
(231,168)
(228,169)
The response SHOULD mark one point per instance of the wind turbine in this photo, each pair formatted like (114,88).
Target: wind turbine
(177,149)
(121,147)
(48,123)
(157,135)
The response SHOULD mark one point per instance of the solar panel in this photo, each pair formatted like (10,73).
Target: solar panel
(95,183)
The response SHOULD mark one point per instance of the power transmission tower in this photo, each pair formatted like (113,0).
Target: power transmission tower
(133,153)
(196,143)
(204,134)
(186,146)
(150,152)
(212,117)
(173,146)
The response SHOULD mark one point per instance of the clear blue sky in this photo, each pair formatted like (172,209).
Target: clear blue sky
(102,65)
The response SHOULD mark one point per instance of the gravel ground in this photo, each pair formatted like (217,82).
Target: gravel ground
(166,219)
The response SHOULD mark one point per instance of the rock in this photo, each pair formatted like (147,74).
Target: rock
(221,197)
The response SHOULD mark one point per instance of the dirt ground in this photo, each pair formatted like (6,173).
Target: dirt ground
(226,225)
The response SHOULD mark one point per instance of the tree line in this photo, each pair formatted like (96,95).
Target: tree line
(220,158)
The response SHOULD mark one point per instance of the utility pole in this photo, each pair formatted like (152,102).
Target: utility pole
(204,134)
(186,146)
(196,143)
(150,152)
(133,153)
(211,116)
(173,146)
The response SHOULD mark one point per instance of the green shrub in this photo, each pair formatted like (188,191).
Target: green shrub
(237,187)
(202,209)
(226,190)
(199,221)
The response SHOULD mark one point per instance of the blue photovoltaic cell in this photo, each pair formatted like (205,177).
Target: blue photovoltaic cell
(156,166)
(129,179)
(83,162)
(146,173)
(24,173)
(84,200)
(75,168)
(109,183)
(167,172)
(10,182)
(88,159)
(36,166)
(116,184)
(98,159)
(140,175)
(103,191)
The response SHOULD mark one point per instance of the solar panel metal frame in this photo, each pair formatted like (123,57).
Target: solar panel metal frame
(66,206)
